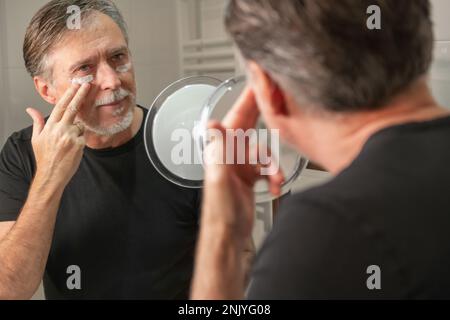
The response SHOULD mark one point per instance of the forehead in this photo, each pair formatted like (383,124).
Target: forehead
(98,35)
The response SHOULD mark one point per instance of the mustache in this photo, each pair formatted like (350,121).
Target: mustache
(113,97)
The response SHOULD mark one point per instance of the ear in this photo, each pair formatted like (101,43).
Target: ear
(45,89)
(268,94)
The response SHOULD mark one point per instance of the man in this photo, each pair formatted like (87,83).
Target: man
(356,102)
(81,205)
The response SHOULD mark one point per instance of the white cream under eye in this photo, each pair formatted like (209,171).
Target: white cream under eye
(124,68)
(83,80)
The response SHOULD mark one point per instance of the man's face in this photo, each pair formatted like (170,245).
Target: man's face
(99,50)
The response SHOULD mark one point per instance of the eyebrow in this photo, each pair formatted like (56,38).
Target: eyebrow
(117,50)
(88,60)
(74,66)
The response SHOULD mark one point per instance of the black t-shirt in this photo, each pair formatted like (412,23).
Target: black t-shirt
(130,231)
(390,209)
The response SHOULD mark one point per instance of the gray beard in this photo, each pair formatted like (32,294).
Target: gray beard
(124,124)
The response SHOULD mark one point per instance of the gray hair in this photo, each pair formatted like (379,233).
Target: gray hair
(322,52)
(49,26)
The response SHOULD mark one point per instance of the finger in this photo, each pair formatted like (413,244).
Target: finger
(81,140)
(244,113)
(276,179)
(77,130)
(269,169)
(276,183)
(74,106)
(62,104)
(215,150)
(219,153)
(38,121)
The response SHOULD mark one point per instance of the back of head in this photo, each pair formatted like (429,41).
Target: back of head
(324,54)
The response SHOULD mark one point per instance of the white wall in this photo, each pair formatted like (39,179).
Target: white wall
(154,44)
(2,78)
(200,22)
(212,19)
(440,71)
(19,91)
(441,17)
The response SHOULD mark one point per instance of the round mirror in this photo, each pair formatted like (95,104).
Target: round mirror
(169,127)
(290,162)
(176,126)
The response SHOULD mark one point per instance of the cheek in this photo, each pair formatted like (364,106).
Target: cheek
(129,81)
(58,89)
(88,103)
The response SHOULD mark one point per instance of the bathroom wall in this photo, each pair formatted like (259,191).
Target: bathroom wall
(441,17)
(440,71)
(18,88)
(204,46)
(154,44)
(2,77)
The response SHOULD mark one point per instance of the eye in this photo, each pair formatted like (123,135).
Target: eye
(84,68)
(118,57)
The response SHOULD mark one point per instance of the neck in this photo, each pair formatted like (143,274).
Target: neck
(95,141)
(335,141)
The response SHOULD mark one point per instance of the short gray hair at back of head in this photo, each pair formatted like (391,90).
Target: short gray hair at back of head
(323,54)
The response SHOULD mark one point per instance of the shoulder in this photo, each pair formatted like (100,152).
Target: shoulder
(319,247)
(324,211)
(350,207)
(17,154)
(22,136)
(19,142)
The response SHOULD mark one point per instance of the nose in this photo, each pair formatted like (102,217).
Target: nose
(107,78)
